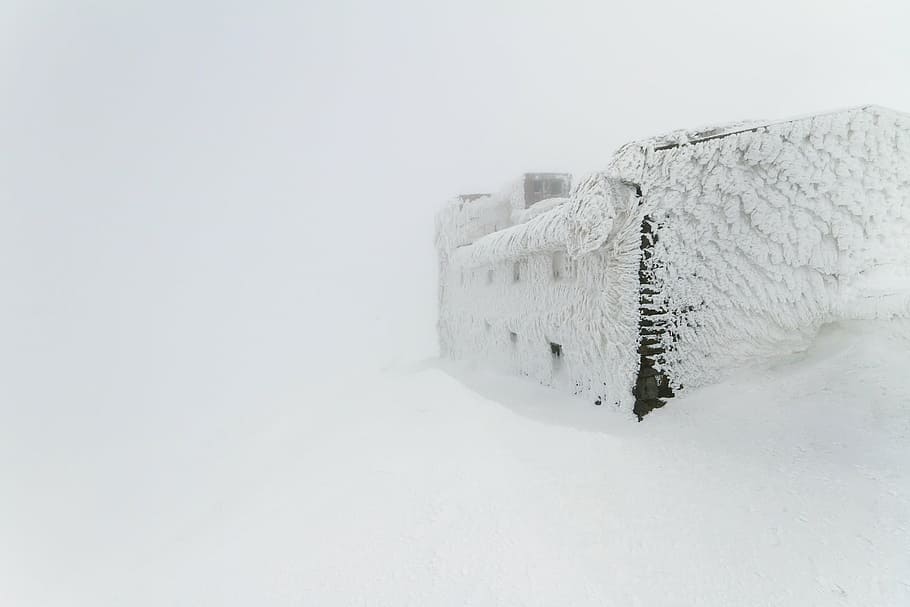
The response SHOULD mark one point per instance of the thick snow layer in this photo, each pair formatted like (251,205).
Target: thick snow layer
(549,298)
(762,234)
(767,234)
(466,219)
(523,215)
(787,485)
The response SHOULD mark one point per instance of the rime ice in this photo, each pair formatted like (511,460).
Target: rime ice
(689,255)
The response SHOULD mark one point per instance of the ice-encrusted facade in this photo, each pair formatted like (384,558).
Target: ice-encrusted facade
(687,256)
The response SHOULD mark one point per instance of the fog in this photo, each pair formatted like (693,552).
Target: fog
(208,208)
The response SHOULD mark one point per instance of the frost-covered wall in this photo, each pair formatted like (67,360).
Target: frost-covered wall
(688,256)
(767,234)
(545,297)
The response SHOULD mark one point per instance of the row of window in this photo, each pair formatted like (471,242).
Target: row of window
(555,348)
(560,268)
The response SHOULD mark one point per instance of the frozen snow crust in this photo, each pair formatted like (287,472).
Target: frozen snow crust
(517,296)
(764,233)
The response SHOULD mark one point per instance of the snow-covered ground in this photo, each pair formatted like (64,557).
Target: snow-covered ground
(439,484)
(217,307)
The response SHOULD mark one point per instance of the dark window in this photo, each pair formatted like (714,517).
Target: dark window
(516,271)
(513,337)
(556,355)
(562,267)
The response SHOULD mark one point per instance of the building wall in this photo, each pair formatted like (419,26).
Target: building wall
(519,300)
(764,236)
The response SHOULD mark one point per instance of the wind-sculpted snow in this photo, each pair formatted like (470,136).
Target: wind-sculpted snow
(538,208)
(766,235)
(514,296)
(760,234)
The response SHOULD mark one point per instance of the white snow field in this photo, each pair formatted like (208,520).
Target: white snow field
(218,297)
(787,485)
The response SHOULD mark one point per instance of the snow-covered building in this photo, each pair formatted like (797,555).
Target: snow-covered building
(689,255)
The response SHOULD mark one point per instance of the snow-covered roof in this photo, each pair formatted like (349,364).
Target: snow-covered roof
(699,135)
(556,222)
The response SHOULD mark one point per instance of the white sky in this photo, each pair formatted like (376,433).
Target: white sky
(203,204)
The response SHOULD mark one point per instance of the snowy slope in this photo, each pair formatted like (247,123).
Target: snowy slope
(204,205)
(787,485)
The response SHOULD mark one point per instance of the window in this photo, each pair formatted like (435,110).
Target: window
(513,337)
(516,271)
(559,265)
(556,355)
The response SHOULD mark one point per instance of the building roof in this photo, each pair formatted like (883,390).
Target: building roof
(692,136)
